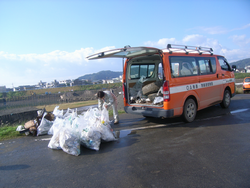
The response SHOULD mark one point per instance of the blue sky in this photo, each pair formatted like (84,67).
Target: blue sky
(47,40)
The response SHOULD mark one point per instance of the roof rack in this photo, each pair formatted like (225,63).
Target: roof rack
(174,48)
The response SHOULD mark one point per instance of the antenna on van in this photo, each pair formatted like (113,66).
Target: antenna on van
(188,49)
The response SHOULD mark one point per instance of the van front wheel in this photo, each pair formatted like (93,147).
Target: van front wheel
(226,99)
(189,110)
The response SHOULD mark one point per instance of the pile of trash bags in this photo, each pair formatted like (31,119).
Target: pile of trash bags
(38,126)
(70,130)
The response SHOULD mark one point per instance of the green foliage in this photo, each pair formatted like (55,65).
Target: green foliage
(16,94)
(7,132)
(241,75)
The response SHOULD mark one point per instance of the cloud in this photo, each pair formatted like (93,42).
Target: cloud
(233,55)
(241,28)
(57,56)
(162,43)
(195,39)
(214,30)
(201,40)
(27,69)
(240,40)
(191,40)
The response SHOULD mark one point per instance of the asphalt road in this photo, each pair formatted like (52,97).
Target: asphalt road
(212,151)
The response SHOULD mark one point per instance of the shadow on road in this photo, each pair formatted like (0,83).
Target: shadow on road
(14,167)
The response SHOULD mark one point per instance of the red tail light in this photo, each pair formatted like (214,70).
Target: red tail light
(166,91)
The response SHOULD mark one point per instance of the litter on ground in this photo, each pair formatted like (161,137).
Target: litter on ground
(70,130)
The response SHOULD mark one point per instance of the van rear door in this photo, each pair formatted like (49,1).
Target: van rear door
(126,52)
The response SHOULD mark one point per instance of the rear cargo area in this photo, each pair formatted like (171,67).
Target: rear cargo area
(144,78)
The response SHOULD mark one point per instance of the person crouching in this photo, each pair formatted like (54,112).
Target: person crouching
(107,99)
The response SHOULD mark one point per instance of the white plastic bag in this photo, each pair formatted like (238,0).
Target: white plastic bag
(160,91)
(70,112)
(58,113)
(69,142)
(105,128)
(87,129)
(54,141)
(158,100)
(57,124)
(44,126)
(91,138)
(66,140)
(106,133)
(20,128)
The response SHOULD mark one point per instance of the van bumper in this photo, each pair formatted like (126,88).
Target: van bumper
(151,112)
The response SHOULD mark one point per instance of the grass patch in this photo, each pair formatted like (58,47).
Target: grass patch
(241,75)
(119,112)
(8,132)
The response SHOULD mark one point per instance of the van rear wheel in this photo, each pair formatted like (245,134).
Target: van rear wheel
(226,99)
(189,110)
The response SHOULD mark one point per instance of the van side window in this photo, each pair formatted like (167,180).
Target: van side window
(183,66)
(213,63)
(224,64)
(207,65)
(137,71)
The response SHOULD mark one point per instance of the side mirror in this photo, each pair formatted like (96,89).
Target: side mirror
(234,67)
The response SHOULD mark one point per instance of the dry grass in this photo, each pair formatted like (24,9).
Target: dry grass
(74,88)
(239,90)
(50,108)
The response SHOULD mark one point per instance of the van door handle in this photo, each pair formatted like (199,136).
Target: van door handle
(217,75)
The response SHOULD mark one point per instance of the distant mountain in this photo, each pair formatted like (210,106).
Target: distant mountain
(102,75)
(241,63)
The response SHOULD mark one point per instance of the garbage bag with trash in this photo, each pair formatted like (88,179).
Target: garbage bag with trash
(136,91)
(45,125)
(88,129)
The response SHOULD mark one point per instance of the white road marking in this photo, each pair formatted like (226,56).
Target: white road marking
(43,139)
(239,110)
(151,127)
